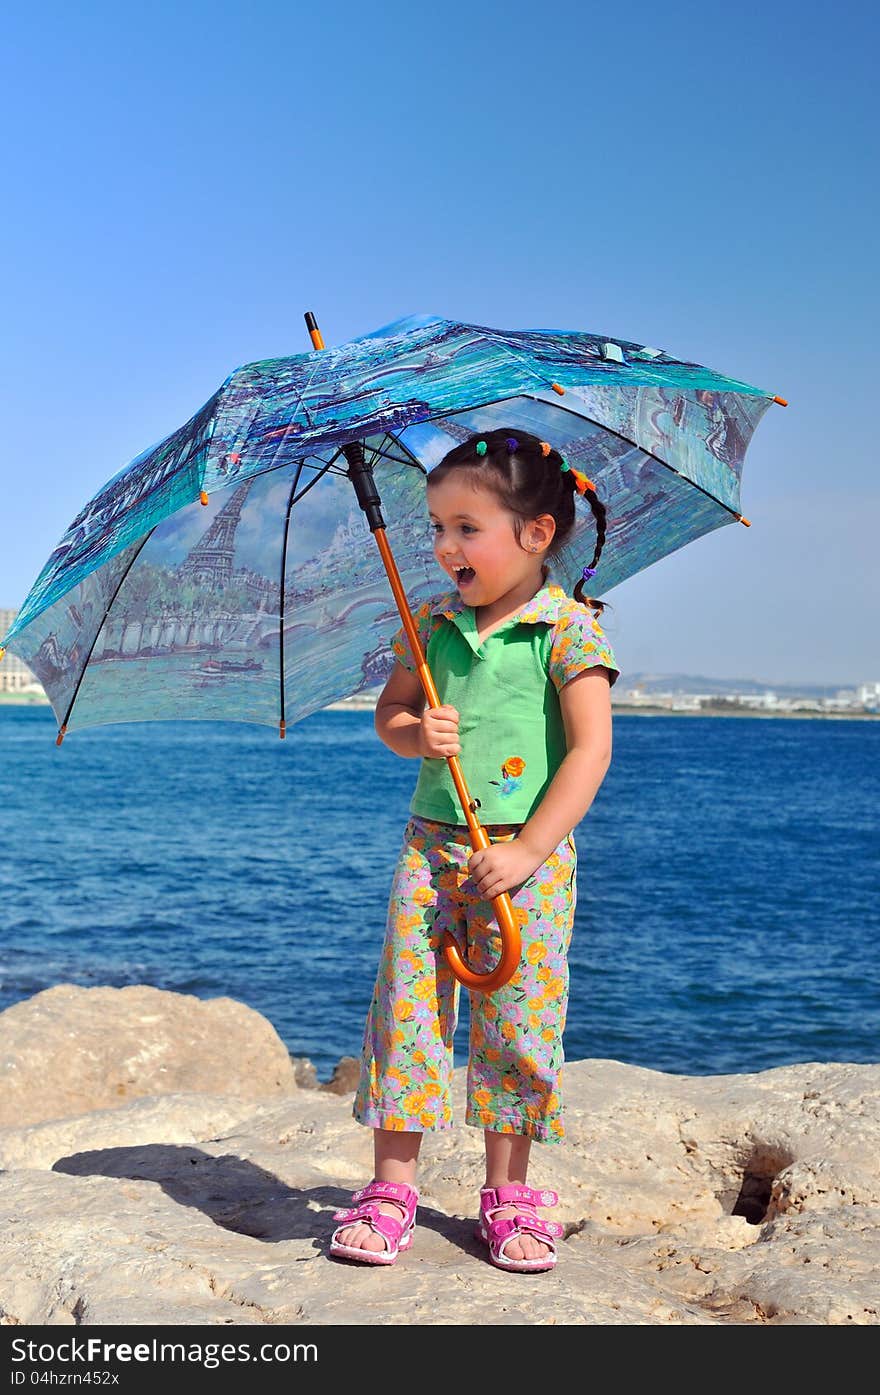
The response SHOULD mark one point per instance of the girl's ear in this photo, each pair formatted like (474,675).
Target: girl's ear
(542,530)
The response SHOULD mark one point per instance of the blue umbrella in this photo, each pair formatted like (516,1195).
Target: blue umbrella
(225,572)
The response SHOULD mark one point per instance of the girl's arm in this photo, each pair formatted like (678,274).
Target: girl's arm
(410,728)
(398,715)
(585,703)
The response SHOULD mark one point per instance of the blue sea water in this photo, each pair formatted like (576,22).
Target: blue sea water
(728,883)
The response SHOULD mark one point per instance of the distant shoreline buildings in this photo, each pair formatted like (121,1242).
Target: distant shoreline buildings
(15,676)
(863,700)
(655,693)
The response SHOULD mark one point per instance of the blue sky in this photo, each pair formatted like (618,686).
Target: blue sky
(185,180)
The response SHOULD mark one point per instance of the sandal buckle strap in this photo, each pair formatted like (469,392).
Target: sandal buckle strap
(389,1191)
(515,1192)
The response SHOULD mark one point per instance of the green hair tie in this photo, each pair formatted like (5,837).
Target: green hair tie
(565,465)
(481,447)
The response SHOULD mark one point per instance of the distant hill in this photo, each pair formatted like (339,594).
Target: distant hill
(722,687)
(692,683)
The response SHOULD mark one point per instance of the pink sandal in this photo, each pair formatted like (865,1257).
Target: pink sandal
(397,1234)
(497,1234)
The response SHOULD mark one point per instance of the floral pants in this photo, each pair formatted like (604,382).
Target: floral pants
(515,1057)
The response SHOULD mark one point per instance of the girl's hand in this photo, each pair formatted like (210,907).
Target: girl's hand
(438,733)
(500,867)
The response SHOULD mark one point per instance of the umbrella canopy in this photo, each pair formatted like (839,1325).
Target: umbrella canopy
(227,572)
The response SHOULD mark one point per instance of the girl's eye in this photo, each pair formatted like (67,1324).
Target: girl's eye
(467,527)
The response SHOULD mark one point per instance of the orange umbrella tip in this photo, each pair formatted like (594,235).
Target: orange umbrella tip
(203,498)
(781,400)
(282,728)
(557,388)
(2,652)
(60,737)
(742,519)
(314,333)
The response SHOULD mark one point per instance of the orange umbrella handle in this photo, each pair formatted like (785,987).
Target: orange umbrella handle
(368,498)
(502,905)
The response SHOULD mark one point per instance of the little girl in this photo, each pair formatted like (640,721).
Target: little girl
(524,674)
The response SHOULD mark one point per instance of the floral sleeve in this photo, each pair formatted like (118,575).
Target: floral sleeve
(579,643)
(399,642)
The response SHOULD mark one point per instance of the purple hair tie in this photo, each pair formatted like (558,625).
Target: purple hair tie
(512,445)
(588,572)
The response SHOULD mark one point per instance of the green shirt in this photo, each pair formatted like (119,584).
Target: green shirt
(506,691)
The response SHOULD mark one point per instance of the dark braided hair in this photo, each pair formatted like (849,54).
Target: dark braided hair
(527,483)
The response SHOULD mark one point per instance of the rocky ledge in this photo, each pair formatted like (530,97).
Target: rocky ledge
(161,1164)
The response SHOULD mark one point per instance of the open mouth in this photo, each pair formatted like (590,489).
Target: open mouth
(464,574)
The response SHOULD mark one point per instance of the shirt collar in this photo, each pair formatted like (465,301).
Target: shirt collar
(545,606)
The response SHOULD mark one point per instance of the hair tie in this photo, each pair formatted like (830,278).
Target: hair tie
(546,448)
(481,447)
(581,483)
(512,444)
(588,572)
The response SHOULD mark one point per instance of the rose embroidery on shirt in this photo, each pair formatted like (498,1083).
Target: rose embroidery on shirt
(511,770)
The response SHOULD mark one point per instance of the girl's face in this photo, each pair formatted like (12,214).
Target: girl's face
(472,529)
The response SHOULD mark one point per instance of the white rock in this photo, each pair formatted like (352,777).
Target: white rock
(193,1207)
(69,1050)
